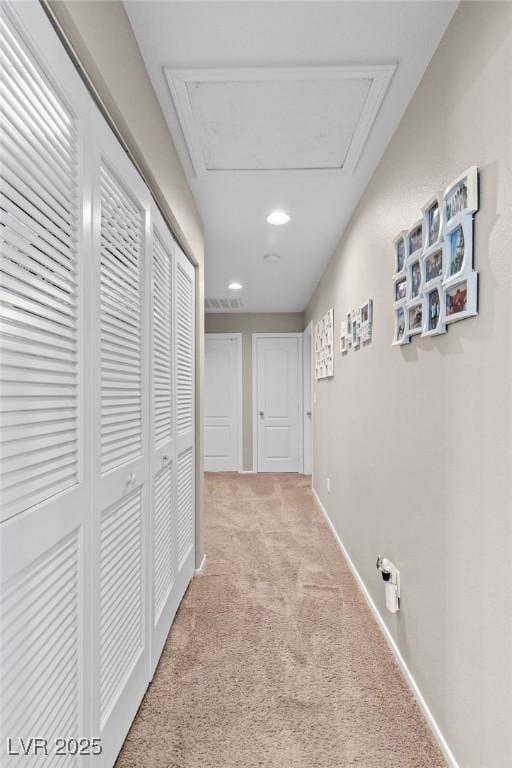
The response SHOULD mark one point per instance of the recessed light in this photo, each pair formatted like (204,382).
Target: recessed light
(235,286)
(271,258)
(277,218)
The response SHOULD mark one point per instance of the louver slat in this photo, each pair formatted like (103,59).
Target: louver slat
(39,649)
(163,563)
(184,351)
(122,231)
(38,293)
(162,350)
(122,592)
(185,482)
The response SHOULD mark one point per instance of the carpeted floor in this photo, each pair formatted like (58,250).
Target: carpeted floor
(274,660)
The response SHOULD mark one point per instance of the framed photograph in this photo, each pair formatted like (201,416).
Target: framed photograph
(400,336)
(461,299)
(343,338)
(356,328)
(415,318)
(414,279)
(349,329)
(458,248)
(400,245)
(401,289)
(366,313)
(461,197)
(415,239)
(433,264)
(432,222)
(324,346)
(432,310)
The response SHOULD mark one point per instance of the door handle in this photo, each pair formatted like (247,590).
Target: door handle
(260,413)
(308,413)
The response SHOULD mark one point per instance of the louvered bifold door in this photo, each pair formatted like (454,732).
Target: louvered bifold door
(184,408)
(44,493)
(120,244)
(163,466)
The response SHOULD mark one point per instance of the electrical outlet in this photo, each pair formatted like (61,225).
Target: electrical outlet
(328,485)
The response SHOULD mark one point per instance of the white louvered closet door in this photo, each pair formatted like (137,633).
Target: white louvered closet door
(120,247)
(44,482)
(163,465)
(184,292)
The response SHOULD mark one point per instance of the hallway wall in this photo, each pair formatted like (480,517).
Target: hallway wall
(248,323)
(417,440)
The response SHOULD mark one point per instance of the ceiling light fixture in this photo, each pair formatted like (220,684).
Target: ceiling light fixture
(271,258)
(277,218)
(235,286)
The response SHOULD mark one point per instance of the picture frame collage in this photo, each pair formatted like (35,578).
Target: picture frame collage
(324,346)
(434,283)
(356,329)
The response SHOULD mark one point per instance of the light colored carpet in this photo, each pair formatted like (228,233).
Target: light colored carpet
(274,660)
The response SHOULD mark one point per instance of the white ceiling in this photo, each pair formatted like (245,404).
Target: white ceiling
(278,105)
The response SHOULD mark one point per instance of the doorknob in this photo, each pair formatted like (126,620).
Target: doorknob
(260,413)
(308,413)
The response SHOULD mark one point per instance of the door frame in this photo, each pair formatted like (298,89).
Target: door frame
(239,389)
(300,391)
(308,376)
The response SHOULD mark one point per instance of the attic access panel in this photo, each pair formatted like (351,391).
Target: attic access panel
(313,119)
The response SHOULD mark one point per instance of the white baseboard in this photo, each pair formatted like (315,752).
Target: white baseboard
(199,571)
(404,669)
(247,472)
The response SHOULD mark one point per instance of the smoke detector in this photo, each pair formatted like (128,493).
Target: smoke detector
(271,258)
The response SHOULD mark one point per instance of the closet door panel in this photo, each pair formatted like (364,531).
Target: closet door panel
(185,392)
(44,478)
(120,371)
(163,507)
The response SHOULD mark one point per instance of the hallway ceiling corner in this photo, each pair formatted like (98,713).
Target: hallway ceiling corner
(282,105)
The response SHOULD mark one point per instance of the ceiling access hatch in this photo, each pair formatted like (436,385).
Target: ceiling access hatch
(303,119)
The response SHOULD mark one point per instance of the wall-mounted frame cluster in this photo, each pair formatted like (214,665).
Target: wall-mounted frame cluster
(434,282)
(357,327)
(324,346)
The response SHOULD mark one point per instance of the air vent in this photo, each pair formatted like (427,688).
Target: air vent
(223,305)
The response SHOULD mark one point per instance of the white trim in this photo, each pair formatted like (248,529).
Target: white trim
(379,74)
(300,395)
(247,472)
(199,571)
(404,669)
(305,373)
(240,408)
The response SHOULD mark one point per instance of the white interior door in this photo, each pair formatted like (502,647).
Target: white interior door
(277,403)
(120,482)
(184,309)
(44,479)
(222,381)
(307,387)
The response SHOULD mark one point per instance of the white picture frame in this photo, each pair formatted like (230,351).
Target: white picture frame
(433,265)
(400,253)
(467,283)
(414,245)
(414,278)
(458,249)
(324,346)
(461,196)
(431,328)
(433,224)
(366,315)
(400,335)
(414,317)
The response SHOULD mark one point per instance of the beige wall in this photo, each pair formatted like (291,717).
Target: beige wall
(102,38)
(248,323)
(417,440)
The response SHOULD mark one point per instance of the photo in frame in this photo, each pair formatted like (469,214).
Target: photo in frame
(366,314)
(400,245)
(415,318)
(432,310)
(461,299)
(432,222)
(415,239)
(324,346)
(461,196)
(400,336)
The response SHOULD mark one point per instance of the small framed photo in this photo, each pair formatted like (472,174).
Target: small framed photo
(461,197)
(415,239)
(433,264)
(343,338)
(356,328)
(348,323)
(400,337)
(458,248)
(414,279)
(400,244)
(432,222)
(432,310)
(401,289)
(366,313)
(415,318)
(461,299)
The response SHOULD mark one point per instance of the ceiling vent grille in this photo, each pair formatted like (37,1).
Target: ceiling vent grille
(223,305)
